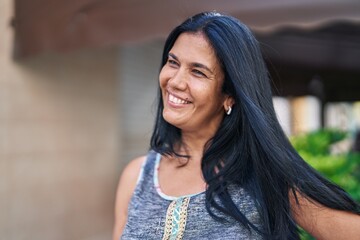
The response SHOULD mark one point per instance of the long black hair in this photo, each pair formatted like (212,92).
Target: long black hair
(250,148)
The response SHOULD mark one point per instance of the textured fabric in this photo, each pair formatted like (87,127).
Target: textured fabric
(148,212)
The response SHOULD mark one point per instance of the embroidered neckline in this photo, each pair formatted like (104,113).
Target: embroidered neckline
(176,219)
(157,185)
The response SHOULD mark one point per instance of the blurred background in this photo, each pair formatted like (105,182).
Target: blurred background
(78,80)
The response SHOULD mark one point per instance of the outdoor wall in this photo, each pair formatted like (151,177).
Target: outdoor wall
(282,107)
(305,114)
(139,71)
(343,115)
(59,142)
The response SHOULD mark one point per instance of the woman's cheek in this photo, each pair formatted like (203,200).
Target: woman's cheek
(165,75)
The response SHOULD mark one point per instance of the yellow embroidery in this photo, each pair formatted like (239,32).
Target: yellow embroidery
(176,219)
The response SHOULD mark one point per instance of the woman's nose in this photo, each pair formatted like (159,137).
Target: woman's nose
(179,80)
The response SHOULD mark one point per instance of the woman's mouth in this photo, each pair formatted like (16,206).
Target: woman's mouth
(177,100)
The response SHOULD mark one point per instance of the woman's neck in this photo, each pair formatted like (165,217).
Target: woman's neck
(193,144)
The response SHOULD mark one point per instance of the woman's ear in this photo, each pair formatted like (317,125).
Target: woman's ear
(228,104)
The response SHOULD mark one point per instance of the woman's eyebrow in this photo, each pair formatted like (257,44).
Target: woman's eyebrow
(173,56)
(199,65)
(195,64)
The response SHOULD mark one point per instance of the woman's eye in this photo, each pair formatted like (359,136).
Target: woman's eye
(199,73)
(172,62)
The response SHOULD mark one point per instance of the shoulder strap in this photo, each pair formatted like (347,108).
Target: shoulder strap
(147,168)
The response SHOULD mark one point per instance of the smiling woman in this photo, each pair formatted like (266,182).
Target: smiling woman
(191,85)
(220,166)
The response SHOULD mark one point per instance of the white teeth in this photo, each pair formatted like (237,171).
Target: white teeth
(176,100)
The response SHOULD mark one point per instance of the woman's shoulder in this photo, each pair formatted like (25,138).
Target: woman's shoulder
(125,189)
(132,170)
(128,178)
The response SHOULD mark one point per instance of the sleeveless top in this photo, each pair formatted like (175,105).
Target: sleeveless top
(155,215)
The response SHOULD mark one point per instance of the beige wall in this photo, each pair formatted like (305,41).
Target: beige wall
(305,114)
(59,142)
(139,70)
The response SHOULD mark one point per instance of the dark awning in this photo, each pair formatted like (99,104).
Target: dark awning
(323,61)
(307,43)
(50,25)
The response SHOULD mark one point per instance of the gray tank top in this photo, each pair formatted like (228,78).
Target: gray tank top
(155,215)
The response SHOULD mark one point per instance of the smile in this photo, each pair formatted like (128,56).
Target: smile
(177,100)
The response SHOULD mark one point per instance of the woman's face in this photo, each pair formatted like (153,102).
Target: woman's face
(191,82)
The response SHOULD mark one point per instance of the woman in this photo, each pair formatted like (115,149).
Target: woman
(220,166)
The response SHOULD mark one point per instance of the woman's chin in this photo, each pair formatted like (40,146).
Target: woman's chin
(173,118)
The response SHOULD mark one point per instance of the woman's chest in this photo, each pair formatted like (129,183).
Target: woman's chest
(184,218)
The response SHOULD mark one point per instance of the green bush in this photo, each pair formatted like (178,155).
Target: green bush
(342,169)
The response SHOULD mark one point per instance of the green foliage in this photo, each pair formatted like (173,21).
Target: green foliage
(342,169)
(318,142)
